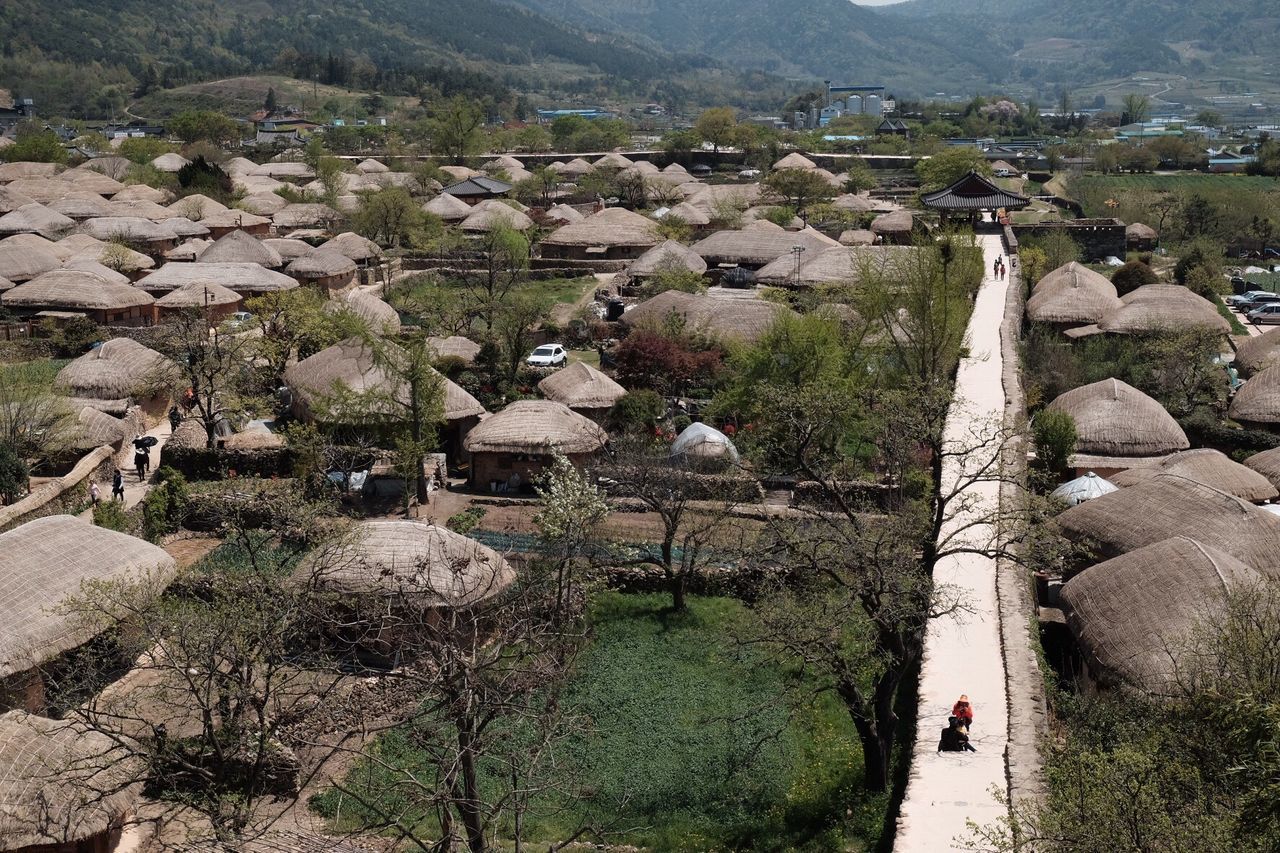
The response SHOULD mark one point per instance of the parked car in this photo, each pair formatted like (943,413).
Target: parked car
(1257,301)
(239,319)
(547,355)
(1265,314)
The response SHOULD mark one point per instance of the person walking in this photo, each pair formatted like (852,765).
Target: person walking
(117,485)
(94,494)
(995,268)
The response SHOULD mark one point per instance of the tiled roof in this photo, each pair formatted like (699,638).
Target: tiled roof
(974,192)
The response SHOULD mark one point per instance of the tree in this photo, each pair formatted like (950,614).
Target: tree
(535,138)
(717,125)
(207,178)
(571,508)
(295,324)
(858,178)
(515,319)
(1054,435)
(798,188)
(203,126)
(269,105)
(14,476)
(457,129)
(34,423)
(504,264)
(950,165)
(1131,276)
(1209,118)
(34,144)
(1137,108)
(390,217)
(212,364)
(665,362)
(328,169)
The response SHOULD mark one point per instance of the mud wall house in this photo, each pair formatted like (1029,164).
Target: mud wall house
(107,303)
(520,442)
(758,244)
(245,279)
(583,389)
(214,301)
(611,234)
(46,563)
(325,270)
(117,375)
(1118,427)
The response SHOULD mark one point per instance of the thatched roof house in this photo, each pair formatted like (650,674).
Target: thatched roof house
(351,245)
(170,162)
(450,208)
(25,169)
(95,428)
(753,247)
(794,160)
(857,237)
(895,227)
(245,279)
(1115,419)
(283,169)
(288,248)
(225,221)
(1072,295)
(141,209)
(105,302)
(666,257)
(1211,467)
(1266,463)
(563,214)
(197,206)
(730,319)
(63,786)
(120,368)
(491,214)
(189,250)
(79,204)
(1168,506)
(1140,237)
(1161,308)
(582,388)
(142,192)
(411,564)
(513,446)
(1133,616)
(237,247)
(1252,355)
(184,227)
(611,234)
(46,561)
(455,346)
(263,204)
(11,199)
(1258,400)
(835,265)
(36,219)
(19,263)
(132,229)
(219,302)
(323,268)
(380,317)
(305,215)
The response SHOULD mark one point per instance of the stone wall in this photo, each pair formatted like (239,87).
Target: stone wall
(66,494)
(1097,238)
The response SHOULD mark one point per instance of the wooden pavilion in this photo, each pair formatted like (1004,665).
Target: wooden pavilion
(971,195)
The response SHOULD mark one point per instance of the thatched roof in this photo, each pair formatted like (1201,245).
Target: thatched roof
(502,163)
(689,214)
(1138,231)
(417,564)
(857,237)
(574,168)
(242,278)
(35,219)
(96,428)
(141,209)
(794,160)
(72,245)
(491,214)
(898,222)
(196,207)
(1258,353)
(350,366)
(738,319)
(184,227)
(88,264)
(61,782)
(712,198)
(613,160)
(1170,505)
(79,204)
(581,386)
(353,246)
(666,256)
(76,290)
(371,167)
(141,192)
(757,246)
(119,368)
(1115,419)
(538,427)
(281,169)
(613,226)
(1134,615)
(321,264)
(1210,467)
(1162,308)
(857,203)
(563,213)
(233,219)
(46,561)
(450,208)
(199,294)
(263,204)
(1266,463)
(305,215)
(1258,400)
(133,229)
(24,169)
(11,199)
(834,265)
(121,258)
(461,173)
(1072,294)
(20,263)
(290,250)
(170,162)
(378,315)
(237,247)
(5,284)
(455,346)
(189,250)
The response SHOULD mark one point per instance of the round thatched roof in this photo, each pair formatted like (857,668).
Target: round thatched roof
(581,386)
(455,346)
(1115,419)
(612,160)
(11,199)
(46,561)
(79,204)
(1210,467)
(794,160)
(40,190)
(418,564)
(237,247)
(129,228)
(1074,275)
(353,246)
(371,167)
(305,215)
(184,227)
(898,222)
(121,258)
(75,290)
(89,264)
(20,263)
(90,180)
(857,203)
(1072,294)
(170,162)
(1133,615)
(239,219)
(491,214)
(188,250)
(1138,231)
(242,278)
(199,294)
(289,249)
(1161,308)
(536,426)
(665,257)
(350,366)
(1259,352)
(1266,463)
(1258,400)
(96,428)
(502,163)
(563,214)
(450,208)
(141,209)
(61,783)
(1170,505)
(737,319)
(120,367)
(321,263)
(141,192)
(196,207)
(35,219)
(263,204)
(857,237)
(613,226)
(23,169)
(378,315)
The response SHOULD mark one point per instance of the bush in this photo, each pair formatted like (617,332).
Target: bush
(111,515)
(467,520)
(685,281)
(1133,275)
(638,410)
(14,476)
(1054,435)
(450,365)
(1200,254)
(164,509)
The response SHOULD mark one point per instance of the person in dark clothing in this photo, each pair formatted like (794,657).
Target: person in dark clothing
(955,738)
(140,463)
(175,417)
(117,485)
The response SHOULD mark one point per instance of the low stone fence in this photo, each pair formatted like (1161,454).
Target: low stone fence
(66,494)
(201,463)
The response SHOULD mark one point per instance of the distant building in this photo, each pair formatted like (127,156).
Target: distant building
(16,111)
(893,127)
(284,130)
(1226,162)
(478,189)
(590,113)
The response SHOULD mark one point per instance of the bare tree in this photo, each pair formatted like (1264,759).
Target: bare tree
(213,364)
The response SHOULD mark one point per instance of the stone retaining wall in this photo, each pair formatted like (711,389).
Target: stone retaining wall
(66,494)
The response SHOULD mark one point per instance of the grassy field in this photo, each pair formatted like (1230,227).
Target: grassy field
(1093,191)
(549,292)
(38,373)
(239,96)
(694,744)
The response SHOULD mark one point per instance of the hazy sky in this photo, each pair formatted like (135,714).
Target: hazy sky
(875,2)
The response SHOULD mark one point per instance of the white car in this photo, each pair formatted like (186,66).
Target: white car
(547,355)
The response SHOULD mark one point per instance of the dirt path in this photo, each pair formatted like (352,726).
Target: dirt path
(134,491)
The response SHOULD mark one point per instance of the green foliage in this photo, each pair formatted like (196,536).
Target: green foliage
(1131,276)
(14,476)
(72,337)
(675,278)
(203,126)
(858,177)
(782,216)
(164,509)
(111,515)
(1054,436)
(1058,248)
(575,134)
(1201,254)
(950,165)
(639,410)
(456,129)
(36,145)
(201,176)
(717,126)
(467,520)
(391,217)
(798,188)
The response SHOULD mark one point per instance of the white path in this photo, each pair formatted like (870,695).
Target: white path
(963,653)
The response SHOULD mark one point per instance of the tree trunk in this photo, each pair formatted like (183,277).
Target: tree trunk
(469,804)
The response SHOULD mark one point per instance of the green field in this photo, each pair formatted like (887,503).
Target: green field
(239,96)
(1093,191)
(694,742)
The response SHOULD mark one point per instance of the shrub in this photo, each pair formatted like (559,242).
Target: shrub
(1201,253)
(685,281)
(638,410)
(1054,434)
(450,365)
(1133,275)
(467,520)
(14,476)
(164,509)
(111,515)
